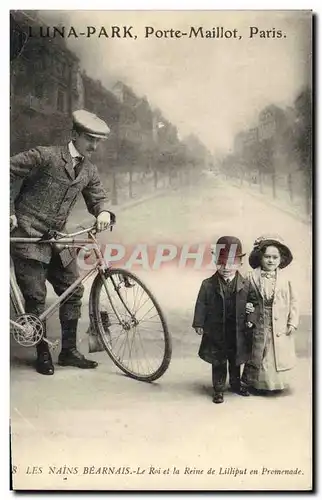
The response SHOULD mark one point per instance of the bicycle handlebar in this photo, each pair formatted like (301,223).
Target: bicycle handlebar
(55,236)
(91,229)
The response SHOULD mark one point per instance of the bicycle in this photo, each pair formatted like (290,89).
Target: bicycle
(123,313)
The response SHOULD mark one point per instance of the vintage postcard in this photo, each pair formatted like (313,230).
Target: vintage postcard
(161,250)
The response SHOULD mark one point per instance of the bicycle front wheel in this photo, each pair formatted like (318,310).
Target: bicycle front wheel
(130,324)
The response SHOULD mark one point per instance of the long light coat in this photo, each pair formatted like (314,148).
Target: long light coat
(43,191)
(285,312)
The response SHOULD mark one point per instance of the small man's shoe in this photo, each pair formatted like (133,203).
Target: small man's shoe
(242,390)
(218,397)
(73,357)
(44,363)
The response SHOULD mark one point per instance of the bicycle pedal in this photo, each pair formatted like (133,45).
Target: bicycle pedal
(52,345)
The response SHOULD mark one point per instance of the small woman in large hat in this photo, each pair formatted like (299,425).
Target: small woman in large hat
(273,348)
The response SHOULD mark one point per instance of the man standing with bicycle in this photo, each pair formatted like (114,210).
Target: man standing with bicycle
(45,183)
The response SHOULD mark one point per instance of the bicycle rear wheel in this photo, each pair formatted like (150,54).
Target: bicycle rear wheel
(130,324)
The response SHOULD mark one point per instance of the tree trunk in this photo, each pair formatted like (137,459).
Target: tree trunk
(308,185)
(130,183)
(260,180)
(290,186)
(170,176)
(274,184)
(155,177)
(114,189)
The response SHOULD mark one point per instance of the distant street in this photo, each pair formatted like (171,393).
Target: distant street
(102,418)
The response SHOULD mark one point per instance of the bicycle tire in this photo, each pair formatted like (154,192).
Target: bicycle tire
(97,323)
(14,303)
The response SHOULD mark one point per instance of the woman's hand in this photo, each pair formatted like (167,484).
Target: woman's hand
(290,329)
(249,308)
(199,330)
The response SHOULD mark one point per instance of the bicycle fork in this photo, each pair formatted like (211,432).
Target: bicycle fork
(125,324)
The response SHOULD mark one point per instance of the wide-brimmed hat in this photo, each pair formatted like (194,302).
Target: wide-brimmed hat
(270,240)
(228,246)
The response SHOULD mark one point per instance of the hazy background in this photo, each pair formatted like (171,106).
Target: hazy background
(210,87)
(208,185)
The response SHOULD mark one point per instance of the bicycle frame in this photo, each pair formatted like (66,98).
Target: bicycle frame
(128,345)
(68,241)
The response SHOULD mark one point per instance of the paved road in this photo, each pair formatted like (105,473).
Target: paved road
(103,419)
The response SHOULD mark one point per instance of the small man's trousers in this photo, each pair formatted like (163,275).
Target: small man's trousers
(219,374)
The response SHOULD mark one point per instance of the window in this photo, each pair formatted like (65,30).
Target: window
(39,89)
(65,71)
(58,66)
(61,100)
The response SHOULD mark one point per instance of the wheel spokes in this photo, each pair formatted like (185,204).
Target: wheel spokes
(138,343)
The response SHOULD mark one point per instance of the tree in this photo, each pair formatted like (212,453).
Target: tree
(303,139)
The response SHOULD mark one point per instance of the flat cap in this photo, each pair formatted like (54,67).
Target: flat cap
(90,124)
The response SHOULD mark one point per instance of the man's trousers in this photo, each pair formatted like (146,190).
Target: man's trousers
(31,276)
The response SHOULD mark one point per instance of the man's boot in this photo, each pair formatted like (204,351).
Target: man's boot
(69,355)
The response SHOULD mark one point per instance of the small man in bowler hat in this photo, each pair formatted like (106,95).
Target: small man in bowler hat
(45,183)
(223,316)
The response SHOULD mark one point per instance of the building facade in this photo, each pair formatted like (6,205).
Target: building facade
(45,87)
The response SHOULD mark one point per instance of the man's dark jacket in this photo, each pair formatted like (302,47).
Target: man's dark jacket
(43,191)
(210,315)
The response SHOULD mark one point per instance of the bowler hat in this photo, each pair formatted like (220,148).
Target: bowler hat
(90,124)
(226,245)
(264,241)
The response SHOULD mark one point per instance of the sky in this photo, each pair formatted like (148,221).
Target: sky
(211,87)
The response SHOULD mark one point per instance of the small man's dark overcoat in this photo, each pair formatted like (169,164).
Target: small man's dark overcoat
(210,315)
